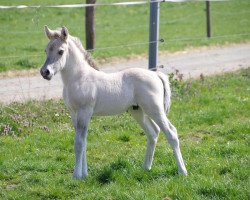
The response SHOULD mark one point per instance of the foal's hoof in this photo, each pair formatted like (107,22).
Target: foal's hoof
(147,168)
(79,176)
(183,173)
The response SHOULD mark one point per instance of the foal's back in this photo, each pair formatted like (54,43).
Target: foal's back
(117,92)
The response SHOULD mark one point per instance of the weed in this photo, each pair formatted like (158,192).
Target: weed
(179,88)
(119,164)
(124,138)
(6,130)
(105,176)
(225,170)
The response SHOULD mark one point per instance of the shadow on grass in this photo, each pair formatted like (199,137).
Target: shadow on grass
(123,169)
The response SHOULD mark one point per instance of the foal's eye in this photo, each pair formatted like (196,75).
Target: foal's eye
(60,52)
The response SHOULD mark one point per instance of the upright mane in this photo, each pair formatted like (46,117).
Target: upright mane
(87,55)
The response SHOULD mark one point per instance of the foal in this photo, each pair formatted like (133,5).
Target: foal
(88,92)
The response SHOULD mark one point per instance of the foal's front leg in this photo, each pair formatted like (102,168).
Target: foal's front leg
(81,129)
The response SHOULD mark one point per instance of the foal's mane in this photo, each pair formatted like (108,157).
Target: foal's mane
(87,55)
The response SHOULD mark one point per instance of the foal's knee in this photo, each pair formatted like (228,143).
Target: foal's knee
(156,129)
(173,140)
(152,135)
(171,136)
(170,133)
(152,139)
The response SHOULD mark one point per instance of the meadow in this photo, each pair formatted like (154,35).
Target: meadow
(181,25)
(212,118)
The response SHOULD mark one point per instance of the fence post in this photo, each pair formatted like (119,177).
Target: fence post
(208,16)
(90,25)
(153,34)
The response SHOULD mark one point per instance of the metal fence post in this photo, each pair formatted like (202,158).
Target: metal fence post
(153,34)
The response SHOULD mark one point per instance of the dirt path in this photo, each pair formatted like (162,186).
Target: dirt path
(191,63)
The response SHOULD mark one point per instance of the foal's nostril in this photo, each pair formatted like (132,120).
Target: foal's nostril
(46,72)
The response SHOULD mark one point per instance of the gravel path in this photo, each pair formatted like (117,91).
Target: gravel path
(191,63)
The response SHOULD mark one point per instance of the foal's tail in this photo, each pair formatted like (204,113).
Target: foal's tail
(167,90)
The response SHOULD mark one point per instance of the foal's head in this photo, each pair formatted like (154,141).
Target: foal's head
(56,52)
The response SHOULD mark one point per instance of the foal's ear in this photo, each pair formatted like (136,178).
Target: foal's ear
(48,32)
(64,33)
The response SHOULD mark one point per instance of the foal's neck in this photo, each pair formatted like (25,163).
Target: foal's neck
(76,66)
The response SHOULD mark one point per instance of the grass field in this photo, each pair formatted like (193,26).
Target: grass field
(211,115)
(181,25)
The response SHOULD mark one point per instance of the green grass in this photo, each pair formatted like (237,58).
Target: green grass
(211,115)
(181,25)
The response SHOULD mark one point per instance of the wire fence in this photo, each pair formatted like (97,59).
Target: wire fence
(161,42)
(11,52)
(103,4)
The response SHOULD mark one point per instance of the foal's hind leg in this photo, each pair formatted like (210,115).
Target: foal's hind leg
(177,151)
(152,132)
(172,137)
(156,113)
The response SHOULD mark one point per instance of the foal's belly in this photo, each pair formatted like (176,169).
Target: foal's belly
(111,108)
(109,111)
(112,104)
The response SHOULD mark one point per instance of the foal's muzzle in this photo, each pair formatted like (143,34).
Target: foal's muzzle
(46,74)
